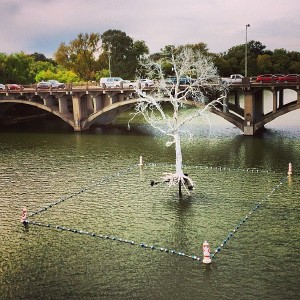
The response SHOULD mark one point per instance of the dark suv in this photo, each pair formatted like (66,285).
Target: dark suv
(184,80)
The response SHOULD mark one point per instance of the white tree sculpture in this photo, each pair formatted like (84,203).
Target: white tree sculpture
(195,82)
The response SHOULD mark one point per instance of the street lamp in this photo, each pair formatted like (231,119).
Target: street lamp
(109,58)
(246,54)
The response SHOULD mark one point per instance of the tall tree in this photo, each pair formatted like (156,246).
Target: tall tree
(80,55)
(264,63)
(281,61)
(122,52)
(15,68)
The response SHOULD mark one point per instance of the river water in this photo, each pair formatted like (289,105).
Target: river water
(99,230)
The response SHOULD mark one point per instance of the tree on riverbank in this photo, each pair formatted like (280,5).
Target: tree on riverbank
(195,82)
(80,55)
(122,52)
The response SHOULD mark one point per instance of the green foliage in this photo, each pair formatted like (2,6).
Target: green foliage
(80,55)
(122,52)
(260,60)
(15,68)
(60,75)
(281,60)
(264,63)
(82,59)
(101,73)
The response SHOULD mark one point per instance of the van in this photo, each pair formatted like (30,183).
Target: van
(111,81)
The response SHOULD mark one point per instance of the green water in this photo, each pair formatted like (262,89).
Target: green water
(91,182)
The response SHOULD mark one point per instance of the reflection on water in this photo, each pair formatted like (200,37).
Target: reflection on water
(98,187)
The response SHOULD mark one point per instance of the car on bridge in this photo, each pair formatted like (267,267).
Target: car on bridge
(2,86)
(43,85)
(56,84)
(145,82)
(129,84)
(110,81)
(234,78)
(268,78)
(116,82)
(14,86)
(183,80)
(290,78)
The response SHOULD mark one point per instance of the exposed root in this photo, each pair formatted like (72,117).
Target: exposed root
(174,179)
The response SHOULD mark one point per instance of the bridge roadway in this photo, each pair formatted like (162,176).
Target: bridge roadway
(81,107)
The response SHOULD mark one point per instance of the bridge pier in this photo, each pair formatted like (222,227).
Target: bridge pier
(253,112)
(80,111)
(248,113)
(280,100)
(63,105)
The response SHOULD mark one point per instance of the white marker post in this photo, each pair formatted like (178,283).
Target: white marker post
(141,161)
(290,171)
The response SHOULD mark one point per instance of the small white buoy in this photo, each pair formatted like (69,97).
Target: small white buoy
(290,171)
(24,215)
(141,161)
(206,253)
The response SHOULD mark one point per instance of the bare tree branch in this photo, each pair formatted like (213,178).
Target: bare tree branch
(202,88)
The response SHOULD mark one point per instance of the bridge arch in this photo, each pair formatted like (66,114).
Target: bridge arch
(108,113)
(51,109)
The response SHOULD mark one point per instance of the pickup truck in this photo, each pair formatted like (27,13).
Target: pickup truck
(234,78)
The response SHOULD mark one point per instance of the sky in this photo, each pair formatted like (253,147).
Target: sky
(42,25)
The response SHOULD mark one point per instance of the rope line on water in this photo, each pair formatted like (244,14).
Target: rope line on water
(243,221)
(117,239)
(218,168)
(82,190)
(129,169)
(143,245)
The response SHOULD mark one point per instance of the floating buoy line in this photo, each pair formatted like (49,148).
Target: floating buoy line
(243,220)
(117,239)
(217,168)
(207,256)
(82,190)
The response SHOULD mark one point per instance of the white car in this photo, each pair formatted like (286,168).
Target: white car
(56,84)
(2,86)
(116,82)
(129,84)
(110,82)
(145,82)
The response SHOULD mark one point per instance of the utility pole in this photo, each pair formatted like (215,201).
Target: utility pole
(246,52)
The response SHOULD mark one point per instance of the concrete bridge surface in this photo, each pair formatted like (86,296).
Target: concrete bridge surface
(81,107)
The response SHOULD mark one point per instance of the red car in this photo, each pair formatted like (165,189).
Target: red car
(289,78)
(14,86)
(268,78)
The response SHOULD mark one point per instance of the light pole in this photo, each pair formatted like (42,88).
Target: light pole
(246,54)
(109,58)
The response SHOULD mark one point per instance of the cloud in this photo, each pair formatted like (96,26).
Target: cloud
(41,25)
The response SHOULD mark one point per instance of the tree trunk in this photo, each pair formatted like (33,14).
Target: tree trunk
(179,188)
(178,155)
(179,171)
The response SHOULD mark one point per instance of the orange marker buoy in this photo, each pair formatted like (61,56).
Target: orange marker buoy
(206,253)
(24,215)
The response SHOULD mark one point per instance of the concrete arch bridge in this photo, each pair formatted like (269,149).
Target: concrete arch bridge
(247,105)
(82,107)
